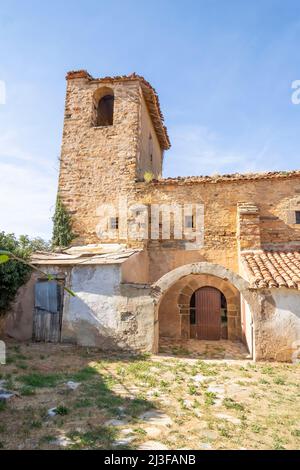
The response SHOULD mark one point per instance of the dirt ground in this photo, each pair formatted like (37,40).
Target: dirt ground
(165,401)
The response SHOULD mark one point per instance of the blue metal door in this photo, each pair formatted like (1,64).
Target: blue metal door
(48,311)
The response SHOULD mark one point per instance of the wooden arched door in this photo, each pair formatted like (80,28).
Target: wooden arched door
(207,315)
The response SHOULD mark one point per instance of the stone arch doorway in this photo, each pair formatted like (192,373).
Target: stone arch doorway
(172,295)
(174,313)
(208,314)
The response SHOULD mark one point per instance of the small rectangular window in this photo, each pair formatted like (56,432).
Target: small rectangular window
(297,217)
(114,223)
(189,221)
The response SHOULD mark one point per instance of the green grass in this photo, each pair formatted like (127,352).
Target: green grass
(256,428)
(87,373)
(206,369)
(22,365)
(278,443)
(210,398)
(263,381)
(269,370)
(47,438)
(9,383)
(265,408)
(35,424)
(40,380)
(192,389)
(103,397)
(62,410)
(229,403)
(102,437)
(137,406)
(224,432)
(140,431)
(27,390)
(83,403)
(139,366)
(279,381)
(2,405)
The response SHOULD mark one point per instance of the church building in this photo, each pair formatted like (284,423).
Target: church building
(202,258)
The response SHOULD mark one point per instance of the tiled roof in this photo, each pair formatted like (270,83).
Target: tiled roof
(150,96)
(266,269)
(190,180)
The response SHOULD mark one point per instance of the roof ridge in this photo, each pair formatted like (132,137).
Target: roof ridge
(227,177)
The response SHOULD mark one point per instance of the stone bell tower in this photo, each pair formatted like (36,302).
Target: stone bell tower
(113,133)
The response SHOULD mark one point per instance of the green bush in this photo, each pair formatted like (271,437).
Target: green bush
(14,273)
(62,226)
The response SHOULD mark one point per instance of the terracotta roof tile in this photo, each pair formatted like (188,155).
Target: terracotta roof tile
(267,269)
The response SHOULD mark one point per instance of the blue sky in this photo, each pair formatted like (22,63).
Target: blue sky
(223,71)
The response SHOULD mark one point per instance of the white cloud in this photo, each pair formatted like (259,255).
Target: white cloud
(197,150)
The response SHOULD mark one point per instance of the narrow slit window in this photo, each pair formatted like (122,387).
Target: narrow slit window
(297,214)
(150,148)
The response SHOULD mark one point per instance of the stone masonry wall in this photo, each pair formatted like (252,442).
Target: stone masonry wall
(97,163)
(275,197)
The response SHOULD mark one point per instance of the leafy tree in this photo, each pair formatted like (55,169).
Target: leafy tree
(15,266)
(33,244)
(62,226)
(14,273)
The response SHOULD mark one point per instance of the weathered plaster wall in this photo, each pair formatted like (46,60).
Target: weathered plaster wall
(91,318)
(136,268)
(247,326)
(277,328)
(147,129)
(19,319)
(105,313)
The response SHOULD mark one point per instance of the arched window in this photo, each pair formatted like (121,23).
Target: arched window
(103,107)
(105,111)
